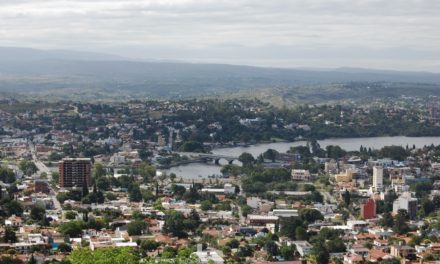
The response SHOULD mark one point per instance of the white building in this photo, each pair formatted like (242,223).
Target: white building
(377,178)
(301,175)
(356,224)
(406,202)
(285,212)
(304,248)
(205,257)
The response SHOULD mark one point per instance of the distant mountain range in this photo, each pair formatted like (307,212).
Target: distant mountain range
(54,72)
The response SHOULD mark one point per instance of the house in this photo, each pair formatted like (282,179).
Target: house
(209,256)
(14,221)
(353,259)
(377,255)
(357,224)
(262,219)
(303,247)
(301,175)
(399,251)
(285,212)
(358,249)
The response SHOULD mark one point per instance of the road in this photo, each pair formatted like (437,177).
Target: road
(43,168)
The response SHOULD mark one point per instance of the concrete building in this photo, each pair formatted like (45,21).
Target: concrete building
(301,175)
(368,209)
(344,177)
(262,219)
(377,178)
(285,212)
(303,247)
(75,172)
(406,202)
(210,256)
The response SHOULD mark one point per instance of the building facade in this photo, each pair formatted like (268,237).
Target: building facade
(406,202)
(377,178)
(368,209)
(75,172)
(301,175)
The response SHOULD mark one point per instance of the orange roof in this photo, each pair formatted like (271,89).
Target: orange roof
(365,236)
(163,239)
(376,254)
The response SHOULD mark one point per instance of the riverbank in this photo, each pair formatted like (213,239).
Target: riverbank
(195,170)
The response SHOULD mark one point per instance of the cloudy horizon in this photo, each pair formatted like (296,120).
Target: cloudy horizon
(393,34)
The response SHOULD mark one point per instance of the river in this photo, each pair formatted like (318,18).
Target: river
(197,170)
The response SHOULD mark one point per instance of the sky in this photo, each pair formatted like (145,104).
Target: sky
(382,34)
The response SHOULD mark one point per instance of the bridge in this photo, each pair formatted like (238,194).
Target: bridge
(209,157)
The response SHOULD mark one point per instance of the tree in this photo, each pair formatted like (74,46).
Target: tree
(134,192)
(233,243)
(72,228)
(193,221)
(427,207)
(271,248)
(320,253)
(247,159)
(336,246)
(104,255)
(85,189)
(70,215)
(174,224)
(390,261)
(144,155)
(28,167)
(136,228)
(98,170)
(13,207)
(206,205)
(422,189)
(289,225)
(10,260)
(301,233)
(178,190)
(38,213)
(192,146)
(9,235)
(103,184)
(226,251)
(400,225)
(271,154)
(310,215)
(63,247)
(32,260)
(393,152)
(387,220)
(149,245)
(346,196)
(7,175)
(335,152)
(287,252)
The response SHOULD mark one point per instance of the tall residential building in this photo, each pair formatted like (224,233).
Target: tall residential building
(75,172)
(368,209)
(406,202)
(377,178)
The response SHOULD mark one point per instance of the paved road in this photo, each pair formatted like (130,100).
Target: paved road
(43,168)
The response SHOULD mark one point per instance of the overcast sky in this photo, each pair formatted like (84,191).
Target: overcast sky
(386,34)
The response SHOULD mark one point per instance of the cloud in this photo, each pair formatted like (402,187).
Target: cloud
(388,33)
